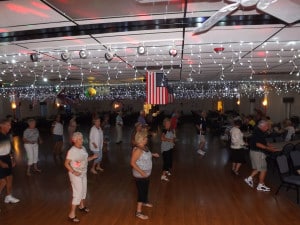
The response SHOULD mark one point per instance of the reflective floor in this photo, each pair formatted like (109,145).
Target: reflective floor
(201,190)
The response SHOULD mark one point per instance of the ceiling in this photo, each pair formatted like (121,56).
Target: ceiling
(247,45)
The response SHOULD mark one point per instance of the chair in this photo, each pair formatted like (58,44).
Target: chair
(297,147)
(287,149)
(290,181)
(295,159)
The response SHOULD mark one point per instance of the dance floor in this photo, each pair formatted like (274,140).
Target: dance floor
(201,190)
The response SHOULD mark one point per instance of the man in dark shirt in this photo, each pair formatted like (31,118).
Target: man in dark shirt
(6,161)
(258,146)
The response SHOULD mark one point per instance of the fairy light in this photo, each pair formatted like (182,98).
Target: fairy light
(266,59)
(212,58)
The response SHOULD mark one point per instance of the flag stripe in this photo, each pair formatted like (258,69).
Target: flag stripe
(156,94)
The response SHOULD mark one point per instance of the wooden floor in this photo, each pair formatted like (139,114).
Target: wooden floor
(202,190)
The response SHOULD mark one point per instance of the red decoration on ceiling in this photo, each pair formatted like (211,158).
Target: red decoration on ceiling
(219,49)
(25,10)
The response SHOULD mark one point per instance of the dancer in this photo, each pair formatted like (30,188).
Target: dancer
(7,161)
(258,149)
(31,139)
(96,144)
(201,131)
(167,145)
(57,131)
(237,147)
(76,164)
(72,128)
(141,162)
(119,127)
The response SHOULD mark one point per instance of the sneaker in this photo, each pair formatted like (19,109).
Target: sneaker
(141,216)
(262,187)
(11,199)
(164,177)
(201,152)
(168,173)
(249,181)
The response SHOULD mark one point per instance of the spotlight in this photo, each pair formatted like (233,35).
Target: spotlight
(65,56)
(82,54)
(109,56)
(141,50)
(35,57)
(173,51)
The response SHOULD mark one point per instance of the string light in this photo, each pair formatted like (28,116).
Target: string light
(182,90)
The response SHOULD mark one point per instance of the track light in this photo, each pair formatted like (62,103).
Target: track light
(173,51)
(82,54)
(141,50)
(65,56)
(109,56)
(35,57)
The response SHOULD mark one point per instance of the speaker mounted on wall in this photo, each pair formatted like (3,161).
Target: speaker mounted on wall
(288,99)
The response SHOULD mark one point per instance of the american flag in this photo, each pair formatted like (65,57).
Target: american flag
(157,89)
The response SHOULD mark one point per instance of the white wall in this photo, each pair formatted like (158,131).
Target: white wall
(276,108)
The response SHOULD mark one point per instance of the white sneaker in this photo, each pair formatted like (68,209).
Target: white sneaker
(249,181)
(201,152)
(262,187)
(165,178)
(11,199)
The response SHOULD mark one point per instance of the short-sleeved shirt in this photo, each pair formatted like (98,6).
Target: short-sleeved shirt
(31,135)
(79,159)
(257,137)
(166,145)
(58,129)
(96,136)
(144,163)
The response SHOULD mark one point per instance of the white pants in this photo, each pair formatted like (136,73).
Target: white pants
(79,187)
(32,151)
(119,133)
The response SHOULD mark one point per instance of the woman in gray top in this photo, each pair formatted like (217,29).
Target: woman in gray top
(167,145)
(141,162)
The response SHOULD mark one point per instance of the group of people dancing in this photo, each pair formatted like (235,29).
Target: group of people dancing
(259,149)
(141,162)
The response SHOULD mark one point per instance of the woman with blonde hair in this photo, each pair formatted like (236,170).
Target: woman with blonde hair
(141,162)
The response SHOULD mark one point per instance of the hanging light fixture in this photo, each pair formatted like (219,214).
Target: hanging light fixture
(35,57)
(173,51)
(65,56)
(109,56)
(141,50)
(82,54)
